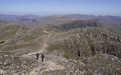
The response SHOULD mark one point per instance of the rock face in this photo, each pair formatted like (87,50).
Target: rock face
(10,65)
(103,64)
(96,65)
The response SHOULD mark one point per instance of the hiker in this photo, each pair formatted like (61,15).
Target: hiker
(42,57)
(37,56)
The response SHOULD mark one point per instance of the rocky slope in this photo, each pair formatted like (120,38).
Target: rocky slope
(85,51)
(72,46)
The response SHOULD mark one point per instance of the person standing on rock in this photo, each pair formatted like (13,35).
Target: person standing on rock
(37,56)
(42,57)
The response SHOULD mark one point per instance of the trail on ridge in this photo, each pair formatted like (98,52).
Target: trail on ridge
(49,64)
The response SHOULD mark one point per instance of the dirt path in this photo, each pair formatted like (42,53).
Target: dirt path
(43,49)
(46,67)
(49,64)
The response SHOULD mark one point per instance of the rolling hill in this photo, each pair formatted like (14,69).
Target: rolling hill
(72,44)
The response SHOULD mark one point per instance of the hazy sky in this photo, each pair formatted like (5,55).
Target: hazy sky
(43,7)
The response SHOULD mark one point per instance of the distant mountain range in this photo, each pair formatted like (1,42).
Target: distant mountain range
(72,20)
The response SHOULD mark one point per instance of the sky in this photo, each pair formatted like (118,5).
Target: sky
(51,7)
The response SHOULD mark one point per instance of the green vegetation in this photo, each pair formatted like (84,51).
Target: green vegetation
(88,42)
(1,42)
(9,31)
